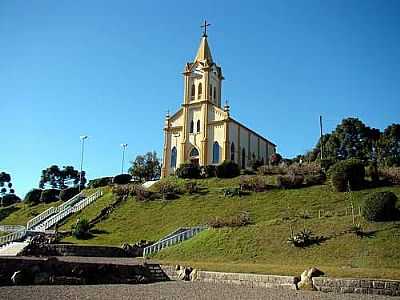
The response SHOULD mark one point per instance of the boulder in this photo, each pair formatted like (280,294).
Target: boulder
(306,282)
(193,275)
(183,273)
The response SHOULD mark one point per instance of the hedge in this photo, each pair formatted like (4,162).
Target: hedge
(347,173)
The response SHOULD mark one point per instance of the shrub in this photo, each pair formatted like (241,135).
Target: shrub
(272,170)
(310,180)
(326,163)
(50,195)
(392,175)
(81,229)
(192,187)
(100,182)
(311,168)
(241,219)
(9,199)
(122,179)
(275,159)
(168,189)
(208,171)
(252,183)
(371,171)
(255,164)
(379,206)
(123,190)
(190,171)
(142,194)
(347,173)
(289,181)
(303,239)
(68,193)
(228,169)
(33,196)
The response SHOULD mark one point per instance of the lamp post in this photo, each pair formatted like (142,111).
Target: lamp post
(83,138)
(124,146)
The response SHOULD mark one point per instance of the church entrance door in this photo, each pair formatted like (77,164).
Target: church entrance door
(195,161)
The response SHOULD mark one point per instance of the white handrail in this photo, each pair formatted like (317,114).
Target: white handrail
(12,237)
(11,228)
(180,237)
(39,218)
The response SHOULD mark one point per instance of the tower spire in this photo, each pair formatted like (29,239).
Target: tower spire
(204,26)
(204,52)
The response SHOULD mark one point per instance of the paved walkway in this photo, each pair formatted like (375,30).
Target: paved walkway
(169,290)
(13,248)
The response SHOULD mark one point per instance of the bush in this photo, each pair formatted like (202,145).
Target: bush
(9,199)
(255,164)
(242,219)
(50,195)
(208,171)
(371,171)
(289,181)
(310,180)
(312,168)
(379,206)
(253,183)
(122,179)
(68,193)
(303,239)
(81,229)
(275,159)
(189,171)
(326,163)
(100,182)
(142,194)
(272,170)
(392,175)
(228,169)
(347,173)
(192,187)
(33,196)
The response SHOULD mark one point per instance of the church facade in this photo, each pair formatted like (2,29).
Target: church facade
(202,131)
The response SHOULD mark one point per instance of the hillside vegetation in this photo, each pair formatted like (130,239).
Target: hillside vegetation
(261,246)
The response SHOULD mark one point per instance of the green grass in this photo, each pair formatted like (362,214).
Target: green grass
(91,210)
(22,213)
(260,247)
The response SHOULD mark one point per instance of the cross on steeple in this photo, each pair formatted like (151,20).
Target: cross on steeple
(205,25)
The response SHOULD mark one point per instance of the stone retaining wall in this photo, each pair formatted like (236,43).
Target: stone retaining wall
(80,250)
(358,286)
(250,280)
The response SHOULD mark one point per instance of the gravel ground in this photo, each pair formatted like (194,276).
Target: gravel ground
(168,290)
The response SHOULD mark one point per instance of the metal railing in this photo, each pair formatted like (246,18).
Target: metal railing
(171,240)
(67,211)
(11,228)
(52,210)
(12,237)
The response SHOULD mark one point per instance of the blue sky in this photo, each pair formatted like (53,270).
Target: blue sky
(111,70)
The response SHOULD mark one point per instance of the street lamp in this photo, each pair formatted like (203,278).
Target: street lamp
(124,146)
(82,138)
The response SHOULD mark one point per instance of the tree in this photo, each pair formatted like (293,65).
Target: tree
(351,139)
(275,159)
(146,167)
(388,146)
(54,177)
(6,190)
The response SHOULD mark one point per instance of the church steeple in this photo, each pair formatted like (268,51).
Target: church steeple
(204,52)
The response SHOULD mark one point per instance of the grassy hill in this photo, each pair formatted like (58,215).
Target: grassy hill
(261,246)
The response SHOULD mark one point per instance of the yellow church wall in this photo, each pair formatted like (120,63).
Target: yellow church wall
(215,134)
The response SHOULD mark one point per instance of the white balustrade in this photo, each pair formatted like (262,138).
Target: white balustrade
(171,240)
(12,237)
(11,228)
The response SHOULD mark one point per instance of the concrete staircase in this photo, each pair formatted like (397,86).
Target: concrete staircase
(157,273)
(14,242)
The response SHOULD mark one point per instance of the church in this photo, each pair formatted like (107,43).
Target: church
(202,131)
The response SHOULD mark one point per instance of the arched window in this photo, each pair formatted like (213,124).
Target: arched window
(232,152)
(198,126)
(215,93)
(211,90)
(215,153)
(194,152)
(173,158)
(191,126)
(193,91)
(254,156)
(199,91)
(243,158)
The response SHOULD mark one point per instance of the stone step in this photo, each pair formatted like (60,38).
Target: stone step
(13,248)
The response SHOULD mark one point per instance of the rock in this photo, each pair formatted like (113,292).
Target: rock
(183,273)
(306,282)
(41,278)
(193,275)
(18,278)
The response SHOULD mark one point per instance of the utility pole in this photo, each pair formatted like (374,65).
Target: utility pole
(124,146)
(321,144)
(83,138)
